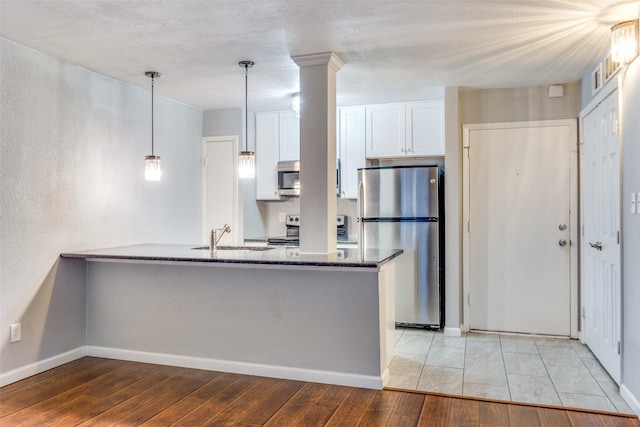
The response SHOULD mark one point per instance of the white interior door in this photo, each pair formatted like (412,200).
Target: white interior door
(518,197)
(600,183)
(220,188)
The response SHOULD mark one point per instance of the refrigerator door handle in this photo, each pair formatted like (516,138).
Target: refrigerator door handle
(359,212)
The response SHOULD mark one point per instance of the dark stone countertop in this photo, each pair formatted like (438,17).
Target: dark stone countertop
(277,255)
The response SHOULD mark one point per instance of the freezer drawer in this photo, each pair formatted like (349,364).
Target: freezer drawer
(416,270)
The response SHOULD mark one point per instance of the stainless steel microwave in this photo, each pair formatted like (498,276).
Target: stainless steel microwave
(289,178)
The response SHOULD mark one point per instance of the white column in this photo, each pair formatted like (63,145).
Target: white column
(318,151)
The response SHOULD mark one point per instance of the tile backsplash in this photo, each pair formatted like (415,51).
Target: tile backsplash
(291,205)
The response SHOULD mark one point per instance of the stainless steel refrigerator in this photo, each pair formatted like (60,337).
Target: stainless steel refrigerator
(401,207)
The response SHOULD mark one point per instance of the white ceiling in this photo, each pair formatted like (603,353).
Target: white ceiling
(393,50)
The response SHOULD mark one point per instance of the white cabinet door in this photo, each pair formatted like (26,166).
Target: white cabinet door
(289,136)
(425,128)
(352,149)
(267,155)
(385,130)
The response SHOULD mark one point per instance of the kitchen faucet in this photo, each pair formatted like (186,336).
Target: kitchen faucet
(216,235)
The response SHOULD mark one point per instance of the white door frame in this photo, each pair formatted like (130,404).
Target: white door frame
(236,225)
(573,203)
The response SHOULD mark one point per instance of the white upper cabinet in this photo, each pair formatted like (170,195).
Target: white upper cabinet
(425,128)
(289,135)
(277,138)
(351,138)
(267,155)
(410,129)
(385,135)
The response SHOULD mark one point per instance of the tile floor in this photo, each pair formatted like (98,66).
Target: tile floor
(548,371)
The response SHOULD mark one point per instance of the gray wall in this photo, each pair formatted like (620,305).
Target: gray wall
(72,178)
(630,95)
(518,105)
(453,211)
(239,315)
(232,122)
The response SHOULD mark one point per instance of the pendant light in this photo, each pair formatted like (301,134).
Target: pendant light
(624,41)
(247,160)
(295,103)
(152,163)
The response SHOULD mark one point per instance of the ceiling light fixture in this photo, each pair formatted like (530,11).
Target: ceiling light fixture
(624,41)
(295,103)
(247,160)
(152,163)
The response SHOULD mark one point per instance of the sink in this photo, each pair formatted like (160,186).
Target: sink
(237,248)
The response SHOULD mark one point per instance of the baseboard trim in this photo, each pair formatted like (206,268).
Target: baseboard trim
(299,374)
(452,332)
(41,366)
(631,400)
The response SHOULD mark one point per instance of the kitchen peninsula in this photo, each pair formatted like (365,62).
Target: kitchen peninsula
(278,313)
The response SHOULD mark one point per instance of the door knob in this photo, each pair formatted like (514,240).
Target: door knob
(562,227)
(562,242)
(596,245)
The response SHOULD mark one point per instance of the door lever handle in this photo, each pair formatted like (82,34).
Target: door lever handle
(596,245)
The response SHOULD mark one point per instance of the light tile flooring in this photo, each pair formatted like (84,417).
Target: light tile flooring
(548,371)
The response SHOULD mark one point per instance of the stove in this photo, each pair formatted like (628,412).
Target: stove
(292,238)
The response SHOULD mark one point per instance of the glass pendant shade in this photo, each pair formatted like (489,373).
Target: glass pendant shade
(624,41)
(152,170)
(247,164)
(295,103)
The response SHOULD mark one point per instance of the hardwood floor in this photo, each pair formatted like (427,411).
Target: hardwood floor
(100,392)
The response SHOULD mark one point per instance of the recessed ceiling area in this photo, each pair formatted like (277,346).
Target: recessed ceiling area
(392,50)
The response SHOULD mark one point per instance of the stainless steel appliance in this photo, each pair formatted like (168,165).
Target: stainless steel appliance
(292,238)
(400,207)
(289,178)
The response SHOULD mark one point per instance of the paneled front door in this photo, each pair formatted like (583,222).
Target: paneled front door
(600,198)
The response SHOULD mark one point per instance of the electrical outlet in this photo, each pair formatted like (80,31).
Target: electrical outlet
(16,332)
(281,218)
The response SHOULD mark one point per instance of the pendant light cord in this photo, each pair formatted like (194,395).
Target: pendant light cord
(152,79)
(246,107)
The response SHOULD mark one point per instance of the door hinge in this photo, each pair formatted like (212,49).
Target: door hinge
(583,312)
(618,236)
(469,299)
(468,149)
(618,347)
(469,226)
(583,229)
(204,162)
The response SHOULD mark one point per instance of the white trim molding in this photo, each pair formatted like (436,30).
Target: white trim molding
(244,368)
(632,401)
(41,366)
(452,332)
